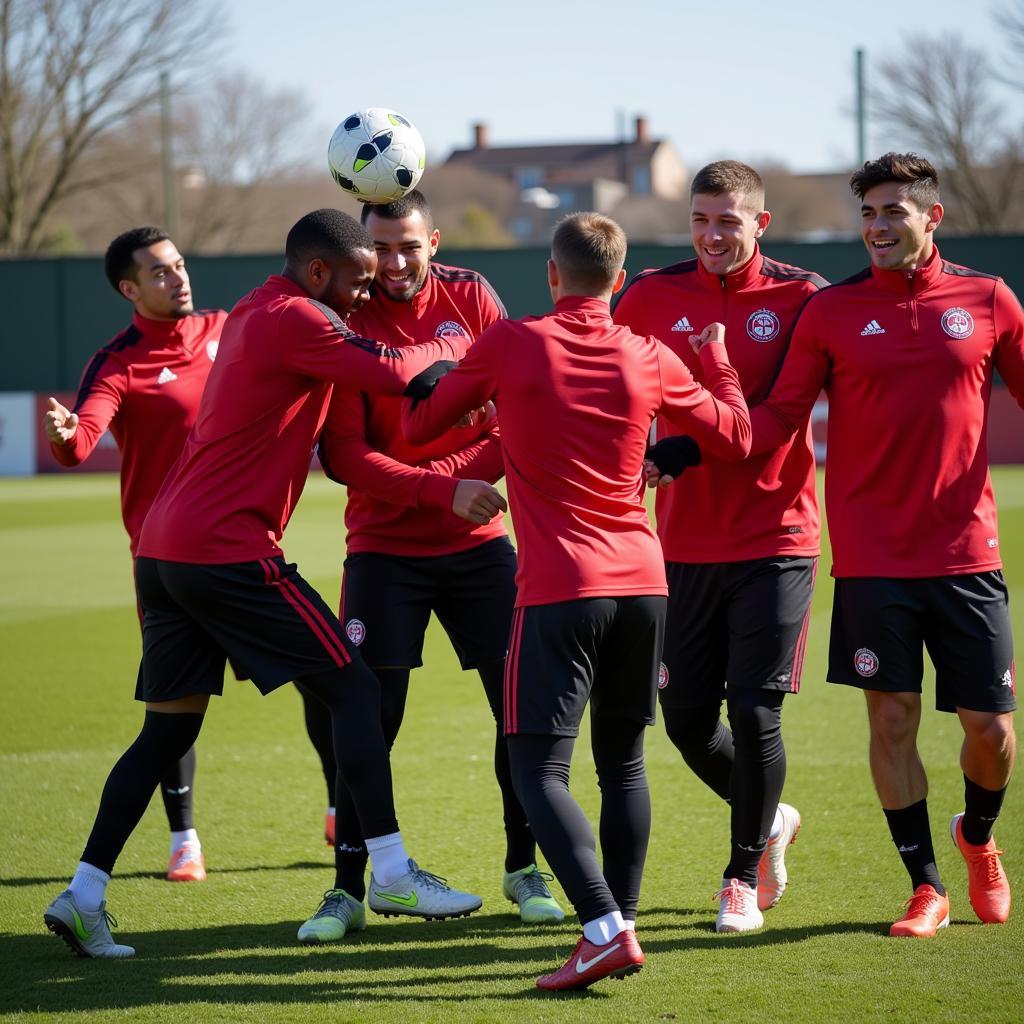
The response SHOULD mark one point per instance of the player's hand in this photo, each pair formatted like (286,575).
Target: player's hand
(477,501)
(423,384)
(713,332)
(479,417)
(59,423)
(667,460)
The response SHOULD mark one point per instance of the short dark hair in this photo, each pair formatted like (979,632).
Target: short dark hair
(910,169)
(588,249)
(326,234)
(119,261)
(724,176)
(412,202)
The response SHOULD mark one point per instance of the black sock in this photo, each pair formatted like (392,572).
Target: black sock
(318,728)
(164,739)
(520,846)
(177,789)
(981,808)
(757,776)
(705,743)
(913,838)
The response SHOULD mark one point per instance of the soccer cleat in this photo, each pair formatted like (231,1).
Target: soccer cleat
(337,915)
(589,963)
(927,912)
(737,907)
(987,885)
(771,869)
(528,887)
(418,893)
(87,933)
(329,820)
(187,865)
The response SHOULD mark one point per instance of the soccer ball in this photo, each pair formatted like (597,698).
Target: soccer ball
(376,155)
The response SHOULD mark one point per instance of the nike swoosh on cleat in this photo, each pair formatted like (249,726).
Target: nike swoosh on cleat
(410,899)
(80,929)
(585,965)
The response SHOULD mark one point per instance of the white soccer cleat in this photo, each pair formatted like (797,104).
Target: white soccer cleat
(737,907)
(86,933)
(418,893)
(772,876)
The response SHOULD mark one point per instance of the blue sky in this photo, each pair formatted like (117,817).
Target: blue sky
(718,79)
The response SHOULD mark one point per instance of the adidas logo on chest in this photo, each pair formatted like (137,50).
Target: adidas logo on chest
(872,327)
(166,376)
(683,324)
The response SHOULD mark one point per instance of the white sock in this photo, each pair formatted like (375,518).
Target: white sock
(190,837)
(388,859)
(776,825)
(331,812)
(604,929)
(630,926)
(89,886)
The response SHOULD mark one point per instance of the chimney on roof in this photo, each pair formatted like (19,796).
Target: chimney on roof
(640,124)
(480,136)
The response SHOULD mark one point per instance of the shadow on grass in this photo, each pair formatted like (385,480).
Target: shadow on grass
(299,865)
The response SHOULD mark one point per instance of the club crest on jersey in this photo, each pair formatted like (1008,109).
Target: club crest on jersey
(662,676)
(355,630)
(211,348)
(957,323)
(451,329)
(763,325)
(865,662)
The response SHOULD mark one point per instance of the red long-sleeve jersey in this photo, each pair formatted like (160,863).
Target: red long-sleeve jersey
(766,505)
(243,467)
(576,395)
(906,360)
(144,386)
(400,495)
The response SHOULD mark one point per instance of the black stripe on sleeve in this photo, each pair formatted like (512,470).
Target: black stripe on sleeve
(346,332)
(460,274)
(129,336)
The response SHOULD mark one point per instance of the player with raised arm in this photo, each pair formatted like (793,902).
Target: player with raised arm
(144,386)
(415,541)
(213,583)
(741,540)
(906,351)
(576,395)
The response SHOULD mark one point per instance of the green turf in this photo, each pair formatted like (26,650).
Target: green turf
(226,950)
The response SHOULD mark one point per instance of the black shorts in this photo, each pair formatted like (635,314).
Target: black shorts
(744,623)
(262,615)
(386,602)
(879,627)
(560,655)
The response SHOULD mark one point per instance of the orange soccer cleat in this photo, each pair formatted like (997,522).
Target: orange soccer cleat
(590,963)
(987,885)
(187,865)
(329,821)
(927,912)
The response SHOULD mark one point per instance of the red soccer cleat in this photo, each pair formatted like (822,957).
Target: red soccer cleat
(987,884)
(927,912)
(187,865)
(590,963)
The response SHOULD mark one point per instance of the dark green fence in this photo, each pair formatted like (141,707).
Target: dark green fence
(57,312)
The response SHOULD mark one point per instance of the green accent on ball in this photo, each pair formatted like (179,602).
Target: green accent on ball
(358,164)
(423,161)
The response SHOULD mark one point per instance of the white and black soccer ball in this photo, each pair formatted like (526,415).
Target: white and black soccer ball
(376,155)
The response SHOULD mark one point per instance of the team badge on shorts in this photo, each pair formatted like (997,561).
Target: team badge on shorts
(662,676)
(763,325)
(957,323)
(865,662)
(211,348)
(451,329)
(355,631)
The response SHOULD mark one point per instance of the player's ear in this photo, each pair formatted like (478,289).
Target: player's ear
(764,218)
(128,288)
(552,274)
(620,280)
(435,240)
(934,217)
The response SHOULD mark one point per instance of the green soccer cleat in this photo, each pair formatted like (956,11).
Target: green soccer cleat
(418,893)
(87,933)
(337,915)
(528,887)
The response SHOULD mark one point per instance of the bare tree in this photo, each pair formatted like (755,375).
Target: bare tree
(939,96)
(1009,19)
(71,71)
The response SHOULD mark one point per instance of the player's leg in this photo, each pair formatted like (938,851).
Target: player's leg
(318,729)
(177,788)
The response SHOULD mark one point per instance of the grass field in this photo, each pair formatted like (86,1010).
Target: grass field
(226,950)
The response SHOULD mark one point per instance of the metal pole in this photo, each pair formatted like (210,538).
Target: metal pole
(861,110)
(167,152)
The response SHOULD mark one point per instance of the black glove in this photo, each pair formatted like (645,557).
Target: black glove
(423,384)
(673,454)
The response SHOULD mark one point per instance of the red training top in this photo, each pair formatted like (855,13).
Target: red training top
(766,505)
(232,492)
(906,360)
(576,396)
(145,385)
(400,495)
